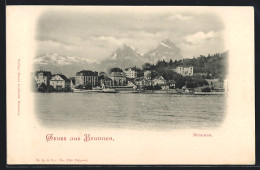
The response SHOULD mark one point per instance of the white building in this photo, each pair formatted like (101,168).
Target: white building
(86,77)
(42,77)
(59,82)
(118,78)
(159,80)
(130,72)
(184,71)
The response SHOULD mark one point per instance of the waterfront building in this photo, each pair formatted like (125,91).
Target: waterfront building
(42,77)
(184,71)
(159,80)
(59,82)
(104,80)
(118,78)
(86,78)
(139,82)
(130,72)
(171,84)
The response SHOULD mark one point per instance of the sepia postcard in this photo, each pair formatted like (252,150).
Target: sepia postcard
(130,85)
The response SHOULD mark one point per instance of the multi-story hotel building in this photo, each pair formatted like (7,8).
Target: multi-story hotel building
(130,72)
(86,77)
(118,78)
(42,77)
(185,71)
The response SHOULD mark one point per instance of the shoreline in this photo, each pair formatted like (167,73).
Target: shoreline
(149,92)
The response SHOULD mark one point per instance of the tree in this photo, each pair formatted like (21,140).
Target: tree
(88,86)
(148,87)
(42,88)
(79,87)
(157,87)
(116,69)
(180,82)
(49,88)
(170,63)
(146,66)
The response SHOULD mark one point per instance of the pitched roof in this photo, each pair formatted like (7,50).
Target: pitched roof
(62,76)
(149,75)
(157,77)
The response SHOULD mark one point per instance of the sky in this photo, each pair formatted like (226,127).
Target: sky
(93,33)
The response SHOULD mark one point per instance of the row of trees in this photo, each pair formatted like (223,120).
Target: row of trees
(213,66)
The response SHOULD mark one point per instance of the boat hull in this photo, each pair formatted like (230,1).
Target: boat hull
(86,91)
(126,92)
(109,91)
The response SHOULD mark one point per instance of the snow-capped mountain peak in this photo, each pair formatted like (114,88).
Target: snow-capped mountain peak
(165,45)
(123,57)
(134,49)
(166,50)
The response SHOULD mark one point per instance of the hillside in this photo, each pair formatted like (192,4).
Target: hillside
(212,66)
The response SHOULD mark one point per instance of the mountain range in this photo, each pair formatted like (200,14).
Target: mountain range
(123,57)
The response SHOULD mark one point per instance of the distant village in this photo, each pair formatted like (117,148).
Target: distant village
(129,79)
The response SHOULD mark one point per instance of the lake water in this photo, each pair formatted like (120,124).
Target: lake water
(133,111)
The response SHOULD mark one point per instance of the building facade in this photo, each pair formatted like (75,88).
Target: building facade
(159,80)
(184,71)
(118,78)
(86,77)
(139,82)
(104,80)
(171,84)
(42,77)
(59,82)
(130,72)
